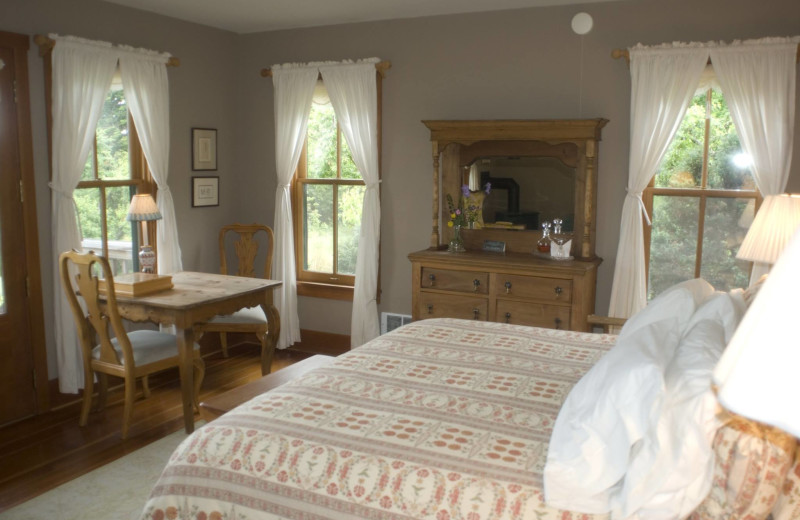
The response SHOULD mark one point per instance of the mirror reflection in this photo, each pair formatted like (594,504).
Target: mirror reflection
(524,191)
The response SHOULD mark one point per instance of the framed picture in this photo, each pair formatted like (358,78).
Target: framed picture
(205,191)
(204,149)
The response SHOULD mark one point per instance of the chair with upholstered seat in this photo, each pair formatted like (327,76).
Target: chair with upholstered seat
(129,355)
(245,241)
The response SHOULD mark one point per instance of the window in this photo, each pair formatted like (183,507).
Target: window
(702,201)
(328,197)
(115,170)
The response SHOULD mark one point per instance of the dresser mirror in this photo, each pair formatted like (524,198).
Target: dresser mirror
(524,191)
(539,170)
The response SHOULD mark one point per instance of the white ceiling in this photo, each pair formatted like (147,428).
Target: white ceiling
(248,16)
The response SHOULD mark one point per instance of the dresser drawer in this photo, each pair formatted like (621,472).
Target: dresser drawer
(533,314)
(462,281)
(534,287)
(434,305)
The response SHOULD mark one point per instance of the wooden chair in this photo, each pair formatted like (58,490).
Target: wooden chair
(129,355)
(245,243)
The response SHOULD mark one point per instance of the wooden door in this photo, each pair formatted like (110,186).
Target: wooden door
(18,342)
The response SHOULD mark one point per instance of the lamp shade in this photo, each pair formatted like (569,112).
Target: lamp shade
(771,230)
(143,207)
(757,374)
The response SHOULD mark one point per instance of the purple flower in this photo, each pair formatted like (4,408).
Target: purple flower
(488,187)
(465,190)
(458,212)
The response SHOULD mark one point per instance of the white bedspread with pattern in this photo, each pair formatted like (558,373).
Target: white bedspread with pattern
(442,419)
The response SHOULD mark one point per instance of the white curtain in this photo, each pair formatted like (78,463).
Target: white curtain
(294,87)
(354,96)
(758,78)
(144,78)
(82,73)
(663,80)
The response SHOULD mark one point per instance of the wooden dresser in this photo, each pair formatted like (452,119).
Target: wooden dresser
(513,288)
(558,179)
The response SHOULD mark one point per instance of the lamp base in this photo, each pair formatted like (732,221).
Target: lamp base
(147,259)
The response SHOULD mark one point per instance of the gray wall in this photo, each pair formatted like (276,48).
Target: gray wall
(521,64)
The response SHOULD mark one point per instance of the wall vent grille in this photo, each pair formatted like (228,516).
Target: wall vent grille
(390,321)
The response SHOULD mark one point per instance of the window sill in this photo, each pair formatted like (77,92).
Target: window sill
(325,290)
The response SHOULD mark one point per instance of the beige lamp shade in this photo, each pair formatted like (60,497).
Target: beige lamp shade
(143,207)
(771,230)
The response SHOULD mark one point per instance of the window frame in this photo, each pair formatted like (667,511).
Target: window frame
(325,285)
(702,192)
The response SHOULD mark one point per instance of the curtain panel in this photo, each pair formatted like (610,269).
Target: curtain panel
(757,79)
(663,80)
(354,95)
(82,74)
(294,88)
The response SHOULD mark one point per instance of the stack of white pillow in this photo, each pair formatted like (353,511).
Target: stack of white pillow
(634,435)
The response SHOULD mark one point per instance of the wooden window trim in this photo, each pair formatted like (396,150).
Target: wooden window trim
(318,285)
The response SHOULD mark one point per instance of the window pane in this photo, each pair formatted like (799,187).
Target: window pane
(318,228)
(120,231)
(349,170)
(321,142)
(728,167)
(673,242)
(350,203)
(682,165)
(112,138)
(726,224)
(87,201)
(88,168)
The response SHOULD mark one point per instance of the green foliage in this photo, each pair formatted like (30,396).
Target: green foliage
(673,243)
(323,163)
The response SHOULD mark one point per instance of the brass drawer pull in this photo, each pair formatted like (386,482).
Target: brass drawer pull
(432,278)
(430,308)
(508,317)
(559,290)
(476,313)
(475,284)
(508,287)
(557,321)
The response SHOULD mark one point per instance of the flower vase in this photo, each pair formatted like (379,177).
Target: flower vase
(457,243)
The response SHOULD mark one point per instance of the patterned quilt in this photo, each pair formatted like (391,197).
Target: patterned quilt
(441,419)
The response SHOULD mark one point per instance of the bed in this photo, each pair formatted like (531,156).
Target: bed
(440,419)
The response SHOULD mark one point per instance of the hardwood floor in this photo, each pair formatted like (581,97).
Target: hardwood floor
(43,452)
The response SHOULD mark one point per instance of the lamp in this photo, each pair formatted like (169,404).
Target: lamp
(771,230)
(142,209)
(757,374)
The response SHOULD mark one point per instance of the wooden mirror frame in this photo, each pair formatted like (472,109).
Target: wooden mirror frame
(452,139)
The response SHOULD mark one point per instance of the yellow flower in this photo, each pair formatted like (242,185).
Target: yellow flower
(452,215)
(450,224)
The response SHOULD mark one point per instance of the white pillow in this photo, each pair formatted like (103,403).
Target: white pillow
(615,404)
(672,470)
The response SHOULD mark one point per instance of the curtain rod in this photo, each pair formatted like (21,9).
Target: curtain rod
(381,67)
(623,53)
(46,45)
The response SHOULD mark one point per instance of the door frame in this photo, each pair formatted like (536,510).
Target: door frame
(21,44)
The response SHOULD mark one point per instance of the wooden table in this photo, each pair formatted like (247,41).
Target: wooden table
(227,401)
(196,298)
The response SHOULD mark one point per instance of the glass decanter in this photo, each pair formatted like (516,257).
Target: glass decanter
(543,245)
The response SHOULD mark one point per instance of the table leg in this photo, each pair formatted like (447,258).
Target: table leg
(185,358)
(273,330)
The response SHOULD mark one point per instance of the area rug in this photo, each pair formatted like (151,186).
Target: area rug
(116,491)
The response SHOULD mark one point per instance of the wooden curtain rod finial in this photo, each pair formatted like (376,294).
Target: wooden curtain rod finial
(46,45)
(381,67)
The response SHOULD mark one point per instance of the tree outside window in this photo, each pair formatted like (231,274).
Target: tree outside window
(329,193)
(702,201)
(115,170)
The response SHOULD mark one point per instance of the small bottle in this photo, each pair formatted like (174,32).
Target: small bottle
(557,237)
(543,245)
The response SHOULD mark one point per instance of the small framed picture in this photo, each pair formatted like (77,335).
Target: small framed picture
(205,191)
(204,149)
